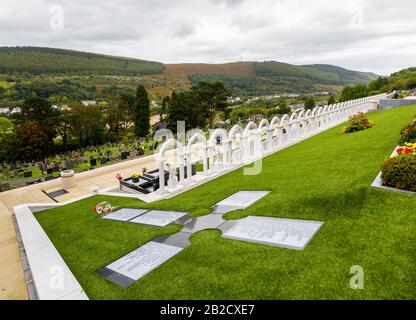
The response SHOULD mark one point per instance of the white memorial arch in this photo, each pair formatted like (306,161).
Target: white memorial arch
(224,152)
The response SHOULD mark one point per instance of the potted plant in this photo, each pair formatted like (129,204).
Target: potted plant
(135,177)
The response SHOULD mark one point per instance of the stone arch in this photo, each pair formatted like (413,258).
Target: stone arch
(293,117)
(264,126)
(232,139)
(212,145)
(201,138)
(248,130)
(275,121)
(161,160)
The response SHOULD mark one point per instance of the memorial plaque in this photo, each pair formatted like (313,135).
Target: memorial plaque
(159,218)
(124,214)
(242,199)
(289,233)
(128,269)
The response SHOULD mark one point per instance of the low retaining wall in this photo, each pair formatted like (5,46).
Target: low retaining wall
(47,275)
(386,104)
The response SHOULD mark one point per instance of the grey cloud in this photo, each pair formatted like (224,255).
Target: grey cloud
(295,31)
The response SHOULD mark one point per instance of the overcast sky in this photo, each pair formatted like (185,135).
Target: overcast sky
(367,35)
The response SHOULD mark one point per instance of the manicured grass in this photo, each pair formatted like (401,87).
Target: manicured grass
(326,178)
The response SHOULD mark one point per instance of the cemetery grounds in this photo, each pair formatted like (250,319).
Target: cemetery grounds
(324,178)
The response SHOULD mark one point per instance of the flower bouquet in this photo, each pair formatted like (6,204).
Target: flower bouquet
(103,208)
(119,177)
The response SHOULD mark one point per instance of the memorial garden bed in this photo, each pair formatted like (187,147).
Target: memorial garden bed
(398,172)
(325,178)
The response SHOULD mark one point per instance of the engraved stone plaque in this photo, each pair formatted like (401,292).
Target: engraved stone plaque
(242,199)
(124,214)
(158,218)
(139,262)
(289,233)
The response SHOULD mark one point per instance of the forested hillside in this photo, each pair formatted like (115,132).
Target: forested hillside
(46,72)
(402,80)
(342,75)
(34,60)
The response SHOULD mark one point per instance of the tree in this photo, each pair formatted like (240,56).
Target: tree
(283,108)
(119,115)
(28,142)
(331,100)
(210,97)
(378,84)
(141,112)
(198,106)
(6,124)
(88,124)
(309,104)
(354,92)
(44,115)
(181,108)
(164,108)
(64,127)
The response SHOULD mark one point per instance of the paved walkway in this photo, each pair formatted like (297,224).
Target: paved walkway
(12,281)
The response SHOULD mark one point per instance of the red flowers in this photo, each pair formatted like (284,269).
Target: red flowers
(405,150)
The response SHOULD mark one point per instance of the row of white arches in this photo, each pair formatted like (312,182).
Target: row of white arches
(225,150)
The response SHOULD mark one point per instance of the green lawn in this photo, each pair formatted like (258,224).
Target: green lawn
(326,177)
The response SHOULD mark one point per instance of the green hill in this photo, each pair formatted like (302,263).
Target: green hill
(272,76)
(317,73)
(402,80)
(34,60)
(100,71)
(343,76)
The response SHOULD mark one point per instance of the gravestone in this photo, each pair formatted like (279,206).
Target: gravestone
(124,214)
(27,174)
(159,218)
(288,233)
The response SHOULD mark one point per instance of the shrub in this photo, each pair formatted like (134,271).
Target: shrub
(400,172)
(358,122)
(408,133)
